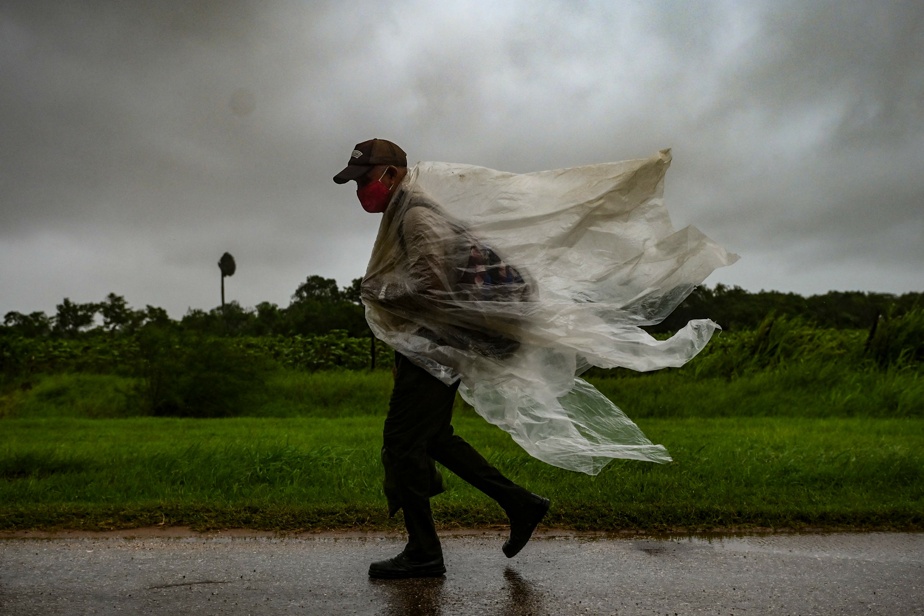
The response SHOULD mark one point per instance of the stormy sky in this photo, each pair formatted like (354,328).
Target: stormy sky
(141,140)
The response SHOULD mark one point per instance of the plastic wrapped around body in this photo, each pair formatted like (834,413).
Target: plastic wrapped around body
(517,283)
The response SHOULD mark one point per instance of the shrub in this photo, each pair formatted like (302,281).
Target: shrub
(778,342)
(185,374)
(897,341)
(333,351)
(71,395)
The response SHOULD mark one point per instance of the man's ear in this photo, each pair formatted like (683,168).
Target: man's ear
(392,174)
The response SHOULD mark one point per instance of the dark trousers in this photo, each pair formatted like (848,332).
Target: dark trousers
(418,428)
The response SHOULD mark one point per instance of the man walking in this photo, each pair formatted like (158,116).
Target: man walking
(418,427)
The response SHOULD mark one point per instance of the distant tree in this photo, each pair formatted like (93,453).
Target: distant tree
(268,320)
(117,315)
(314,317)
(156,316)
(317,288)
(229,320)
(735,309)
(227,266)
(910,301)
(196,319)
(32,325)
(353,293)
(319,306)
(850,309)
(72,318)
(234,319)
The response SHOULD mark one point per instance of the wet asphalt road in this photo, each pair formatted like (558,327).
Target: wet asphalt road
(565,574)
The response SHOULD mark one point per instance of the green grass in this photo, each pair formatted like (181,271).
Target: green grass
(72,395)
(287,393)
(792,442)
(817,389)
(310,473)
(326,394)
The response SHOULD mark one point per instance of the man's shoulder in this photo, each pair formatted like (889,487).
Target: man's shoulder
(421,213)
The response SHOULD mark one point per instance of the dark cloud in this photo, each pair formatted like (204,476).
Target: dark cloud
(143,140)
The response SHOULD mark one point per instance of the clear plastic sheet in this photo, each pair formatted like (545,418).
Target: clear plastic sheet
(518,283)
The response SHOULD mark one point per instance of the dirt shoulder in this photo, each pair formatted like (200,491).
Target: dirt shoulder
(182,532)
(185,532)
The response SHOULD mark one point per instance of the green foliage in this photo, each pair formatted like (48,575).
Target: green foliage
(23,358)
(268,319)
(117,316)
(803,418)
(188,375)
(228,320)
(353,293)
(13,358)
(310,315)
(817,389)
(318,306)
(325,290)
(776,342)
(335,350)
(317,288)
(738,310)
(32,325)
(89,396)
(898,341)
(73,318)
(314,317)
(783,368)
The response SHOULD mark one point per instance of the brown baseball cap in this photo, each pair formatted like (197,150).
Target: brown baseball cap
(369,154)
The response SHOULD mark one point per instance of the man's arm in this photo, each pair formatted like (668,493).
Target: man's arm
(429,242)
(424,245)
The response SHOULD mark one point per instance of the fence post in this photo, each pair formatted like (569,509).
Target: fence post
(372,351)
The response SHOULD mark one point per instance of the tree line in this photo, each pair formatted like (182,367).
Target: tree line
(317,307)
(736,309)
(320,306)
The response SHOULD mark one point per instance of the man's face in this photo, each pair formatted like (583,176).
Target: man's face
(377,186)
(374,188)
(372,175)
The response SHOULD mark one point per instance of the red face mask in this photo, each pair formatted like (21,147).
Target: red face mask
(374,196)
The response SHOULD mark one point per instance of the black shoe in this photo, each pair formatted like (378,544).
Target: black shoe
(402,567)
(524,523)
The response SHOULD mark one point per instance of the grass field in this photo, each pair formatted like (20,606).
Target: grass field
(804,445)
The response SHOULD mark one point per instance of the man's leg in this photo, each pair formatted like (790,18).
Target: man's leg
(524,508)
(453,452)
(417,404)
